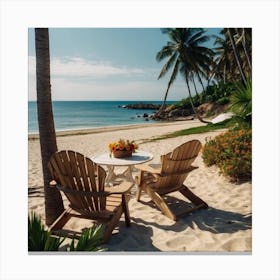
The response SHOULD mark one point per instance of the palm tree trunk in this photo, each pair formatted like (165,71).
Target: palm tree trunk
(163,105)
(243,41)
(236,54)
(196,92)
(200,80)
(53,200)
(193,108)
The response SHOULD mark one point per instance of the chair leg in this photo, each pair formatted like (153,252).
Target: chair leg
(138,193)
(158,200)
(110,226)
(138,180)
(125,209)
(192,197)
(61,220)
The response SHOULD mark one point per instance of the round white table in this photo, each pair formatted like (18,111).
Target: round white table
(111,162)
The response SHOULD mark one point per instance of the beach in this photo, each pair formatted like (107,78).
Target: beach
(224,227)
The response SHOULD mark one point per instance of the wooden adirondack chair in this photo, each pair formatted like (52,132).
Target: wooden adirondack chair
(170,177)
(82,182)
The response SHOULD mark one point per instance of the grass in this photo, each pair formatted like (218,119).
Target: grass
(195,130)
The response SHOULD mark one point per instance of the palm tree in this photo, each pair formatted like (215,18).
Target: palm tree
(233,55)
(242,39)
(236,54)
(225,65)
(53,201)
(184,54)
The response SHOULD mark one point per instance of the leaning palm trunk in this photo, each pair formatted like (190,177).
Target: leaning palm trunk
(53,201)
(194,84)
(236,55)
(243,41)
(200,80)
(163,105)
(193,108)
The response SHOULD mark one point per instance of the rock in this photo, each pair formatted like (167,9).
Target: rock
(145,115)
(142,106)
(179,113)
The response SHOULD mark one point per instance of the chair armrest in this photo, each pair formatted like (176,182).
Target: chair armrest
(148,168)
(119,189)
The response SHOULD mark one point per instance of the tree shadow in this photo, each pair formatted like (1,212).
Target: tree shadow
(210,219)
(136,238)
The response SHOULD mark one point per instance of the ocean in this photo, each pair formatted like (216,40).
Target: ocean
(73,115)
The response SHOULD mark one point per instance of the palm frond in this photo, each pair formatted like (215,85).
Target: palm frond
(90,240)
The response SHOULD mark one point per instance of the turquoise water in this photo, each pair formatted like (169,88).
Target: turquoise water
(70,115)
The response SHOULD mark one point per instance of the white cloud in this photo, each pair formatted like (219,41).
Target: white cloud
(77,79)
(67,89)
(79,67)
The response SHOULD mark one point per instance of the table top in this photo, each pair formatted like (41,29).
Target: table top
(136,158)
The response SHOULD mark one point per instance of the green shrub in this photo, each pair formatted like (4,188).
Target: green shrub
(242,102)
(90,240)
(223,101)
(232,153)
(40,239)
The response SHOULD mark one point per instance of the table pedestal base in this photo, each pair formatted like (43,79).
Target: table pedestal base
(126,175)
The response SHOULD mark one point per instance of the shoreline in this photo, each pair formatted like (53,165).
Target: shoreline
(94,130)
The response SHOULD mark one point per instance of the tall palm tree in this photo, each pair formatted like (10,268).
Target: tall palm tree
(236,54)
(184,54)
(242,38)
(233,55)
(225,64)
(53,201)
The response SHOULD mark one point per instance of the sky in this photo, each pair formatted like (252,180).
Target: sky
(106,64)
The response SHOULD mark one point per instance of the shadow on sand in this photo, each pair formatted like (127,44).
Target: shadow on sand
(139,238)
(211,219)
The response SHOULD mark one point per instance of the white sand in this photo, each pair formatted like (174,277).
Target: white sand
(224,226)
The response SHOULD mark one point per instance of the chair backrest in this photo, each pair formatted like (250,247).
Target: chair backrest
(176,165)
(77,176)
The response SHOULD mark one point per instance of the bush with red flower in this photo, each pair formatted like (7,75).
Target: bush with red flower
(232,153)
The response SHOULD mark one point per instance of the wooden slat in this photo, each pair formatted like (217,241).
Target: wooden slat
(101,184)
(59,165)
(91,173)
(71,163)
(84,178)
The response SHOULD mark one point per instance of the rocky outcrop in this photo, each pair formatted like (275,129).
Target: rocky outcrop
(173,113)
(211,109)
(204,110)
(142,106)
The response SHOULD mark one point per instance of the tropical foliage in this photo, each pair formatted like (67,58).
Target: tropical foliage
(185,54)
(242,102)
(233,57)
(223,67)
(219,93)
(40,239)
(232,153)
